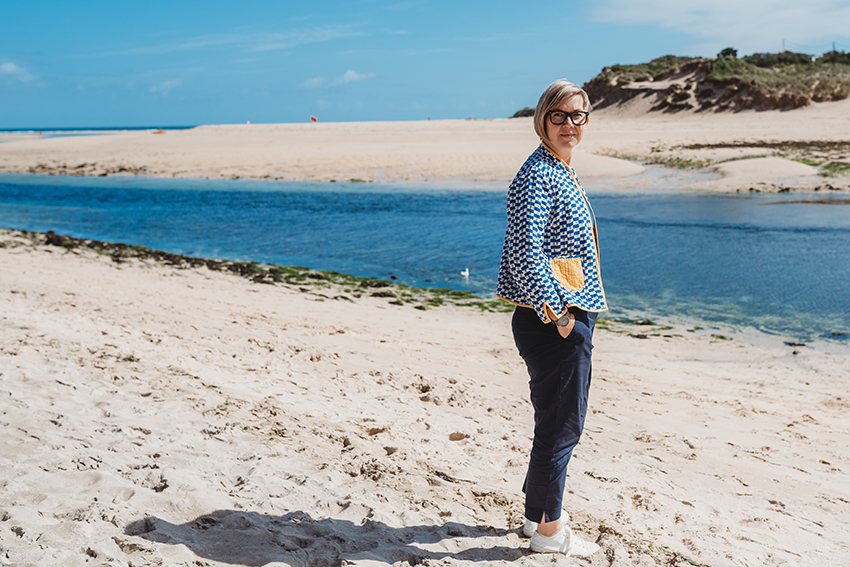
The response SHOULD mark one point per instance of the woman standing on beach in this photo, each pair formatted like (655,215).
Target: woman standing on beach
(550,270)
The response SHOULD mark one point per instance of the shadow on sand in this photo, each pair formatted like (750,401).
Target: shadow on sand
(296,539)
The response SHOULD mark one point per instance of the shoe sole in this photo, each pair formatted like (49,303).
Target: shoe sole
(545,550)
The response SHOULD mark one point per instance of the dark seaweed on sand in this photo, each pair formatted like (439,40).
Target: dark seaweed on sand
(341,286)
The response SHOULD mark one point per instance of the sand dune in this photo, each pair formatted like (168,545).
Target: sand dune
(155,416)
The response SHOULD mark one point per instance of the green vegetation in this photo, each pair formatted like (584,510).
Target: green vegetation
(646,71)
(835,168)
(827,168)
(678,162)
(770,60)
(788,74)
(666,161)
(726,67)
(807,161)
(835,58)
(790,58)
(829,161)
(760,81)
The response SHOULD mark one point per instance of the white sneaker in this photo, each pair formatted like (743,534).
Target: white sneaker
(530,527)
(563,542)
(582,548)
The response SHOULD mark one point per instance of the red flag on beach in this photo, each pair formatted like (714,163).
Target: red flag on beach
(313,118)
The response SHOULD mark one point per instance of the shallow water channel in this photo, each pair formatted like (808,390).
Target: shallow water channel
(779,263)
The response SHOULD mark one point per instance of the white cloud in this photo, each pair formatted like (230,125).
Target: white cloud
(351,76)
(165,87)
(269,42)
(245,42)
(749,26)
(10,69)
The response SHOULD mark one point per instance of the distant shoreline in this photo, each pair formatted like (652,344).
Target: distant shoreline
(92,129)
(747,151)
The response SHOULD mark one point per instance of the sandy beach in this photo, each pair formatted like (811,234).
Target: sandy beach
(738,151)
(249,262)
(161,416)
(153,415)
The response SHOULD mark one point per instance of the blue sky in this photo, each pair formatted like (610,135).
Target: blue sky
(153,63)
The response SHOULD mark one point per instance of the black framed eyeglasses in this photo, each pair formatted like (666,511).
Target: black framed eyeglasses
(558,117)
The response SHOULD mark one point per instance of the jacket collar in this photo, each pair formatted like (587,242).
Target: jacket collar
(552,157)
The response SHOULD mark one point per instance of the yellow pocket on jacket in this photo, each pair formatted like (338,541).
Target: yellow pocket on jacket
(568,272)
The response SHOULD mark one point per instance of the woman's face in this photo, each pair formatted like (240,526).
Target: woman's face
(562,139)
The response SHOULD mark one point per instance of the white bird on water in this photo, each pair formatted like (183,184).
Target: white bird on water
(465,273)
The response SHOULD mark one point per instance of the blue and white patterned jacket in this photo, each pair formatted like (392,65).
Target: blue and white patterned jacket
(551,254)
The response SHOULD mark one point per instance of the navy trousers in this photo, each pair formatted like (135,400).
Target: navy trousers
(559,372)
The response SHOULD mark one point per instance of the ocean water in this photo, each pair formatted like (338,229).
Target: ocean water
(101,129)
(74,132)
(777,263)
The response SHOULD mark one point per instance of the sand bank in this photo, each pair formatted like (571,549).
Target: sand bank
(730,145)
(463,150)
(186,417)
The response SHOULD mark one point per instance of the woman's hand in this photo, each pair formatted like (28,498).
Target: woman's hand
(565,331)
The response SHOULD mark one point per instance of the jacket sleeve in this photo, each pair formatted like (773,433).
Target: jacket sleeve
(530,206)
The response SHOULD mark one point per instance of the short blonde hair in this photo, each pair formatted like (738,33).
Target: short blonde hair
(552,97)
